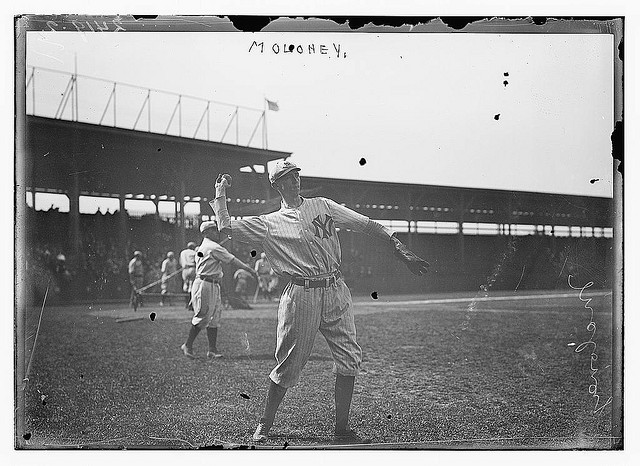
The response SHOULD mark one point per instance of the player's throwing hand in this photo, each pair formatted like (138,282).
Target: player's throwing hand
(223,181)
(415,264)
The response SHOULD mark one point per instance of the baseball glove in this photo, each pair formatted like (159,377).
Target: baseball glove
(415,264)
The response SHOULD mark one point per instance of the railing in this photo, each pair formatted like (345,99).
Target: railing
(74,97)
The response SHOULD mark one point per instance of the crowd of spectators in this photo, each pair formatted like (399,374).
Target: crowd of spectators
(100,272)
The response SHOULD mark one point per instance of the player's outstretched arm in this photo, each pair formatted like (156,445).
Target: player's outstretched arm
(347,218)
(241,265)
(415,264)
(219,204)
(248,230)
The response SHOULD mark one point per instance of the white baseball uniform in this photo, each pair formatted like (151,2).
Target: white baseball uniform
(169,267)
(301,243)
(264,270)
(188,264)
(136,276)
(205,292)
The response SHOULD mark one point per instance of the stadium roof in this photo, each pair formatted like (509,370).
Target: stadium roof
(119,161)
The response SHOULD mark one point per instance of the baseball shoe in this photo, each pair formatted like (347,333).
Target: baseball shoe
(262,432)
(213,355)
(350,437)
(187,352)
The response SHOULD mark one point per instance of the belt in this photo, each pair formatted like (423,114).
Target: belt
(207,278)
(309,282)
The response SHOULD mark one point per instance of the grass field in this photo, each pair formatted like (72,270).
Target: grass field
(448,371)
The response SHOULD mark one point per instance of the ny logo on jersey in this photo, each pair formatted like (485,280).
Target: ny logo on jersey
(324,227)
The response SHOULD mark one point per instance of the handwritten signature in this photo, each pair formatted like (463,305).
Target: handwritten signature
(591,327)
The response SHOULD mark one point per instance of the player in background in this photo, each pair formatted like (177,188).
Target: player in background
(241,278)
(302,245)
(265,273)
(169,277)
(136,277)
(205,292)
(188,264)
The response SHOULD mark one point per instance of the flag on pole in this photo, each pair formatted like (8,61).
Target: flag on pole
(273,106)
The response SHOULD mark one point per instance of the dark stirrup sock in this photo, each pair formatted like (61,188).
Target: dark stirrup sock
(343,395)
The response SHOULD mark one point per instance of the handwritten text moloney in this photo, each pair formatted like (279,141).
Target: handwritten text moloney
(333,50)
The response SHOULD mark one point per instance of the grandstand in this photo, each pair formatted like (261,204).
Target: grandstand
(473,237)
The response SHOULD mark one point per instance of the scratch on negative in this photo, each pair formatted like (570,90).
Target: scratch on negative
(520,281)
(50,56)
(83,444)
(176,439)
(498,439)
(565,263)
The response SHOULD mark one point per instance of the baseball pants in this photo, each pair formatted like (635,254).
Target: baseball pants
(263,282)
(207,304)
(136,283)
(300,315)
(188,276)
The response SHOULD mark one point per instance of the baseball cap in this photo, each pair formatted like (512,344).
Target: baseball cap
(208,224)
(191,245)
(137,253)
(281,168)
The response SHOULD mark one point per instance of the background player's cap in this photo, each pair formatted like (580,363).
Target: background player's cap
(137,253)
(209,224)
(281,168)
(170,254)
(191,245)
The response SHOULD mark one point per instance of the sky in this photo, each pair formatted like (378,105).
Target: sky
(530,112)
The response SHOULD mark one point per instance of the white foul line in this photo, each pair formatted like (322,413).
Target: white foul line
(485,298)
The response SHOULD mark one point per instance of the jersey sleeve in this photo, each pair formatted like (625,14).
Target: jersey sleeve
(222,254)
(352,220)
(250,230)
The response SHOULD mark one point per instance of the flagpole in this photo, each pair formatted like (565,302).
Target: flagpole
(264,125)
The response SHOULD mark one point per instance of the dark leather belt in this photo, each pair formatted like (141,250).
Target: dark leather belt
(207,278)
(316,282)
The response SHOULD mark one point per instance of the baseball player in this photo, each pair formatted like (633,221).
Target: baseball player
(205,292)
(168,269)
(136,277)
(265,272)
(188,264)
(302,246)
(241,278)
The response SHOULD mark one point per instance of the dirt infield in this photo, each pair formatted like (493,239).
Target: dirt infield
(439,372)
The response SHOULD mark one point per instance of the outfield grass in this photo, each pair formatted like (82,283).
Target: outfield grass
(495,374)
